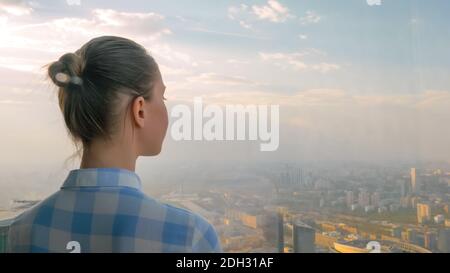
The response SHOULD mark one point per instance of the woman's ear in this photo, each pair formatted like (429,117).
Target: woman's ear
(138,111)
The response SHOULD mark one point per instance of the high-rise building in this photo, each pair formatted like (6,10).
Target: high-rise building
(405,202)
(349,198)
(375,199)
(423,213)
(272,226)
(411,236)
(414,201)
(404,187)
(430,240)
(292,178)
(303,238)
(443,243)
(363,198)
(413,180)
(322,202)
(280,232)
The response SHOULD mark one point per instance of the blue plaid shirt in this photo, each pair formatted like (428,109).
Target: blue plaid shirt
(104,210)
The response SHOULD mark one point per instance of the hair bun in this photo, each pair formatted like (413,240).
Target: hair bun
(66,70)
(55,72)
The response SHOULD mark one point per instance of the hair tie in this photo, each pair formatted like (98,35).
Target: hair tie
(65,79)
(76,80)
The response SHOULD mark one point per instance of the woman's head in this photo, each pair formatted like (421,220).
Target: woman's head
(108,88)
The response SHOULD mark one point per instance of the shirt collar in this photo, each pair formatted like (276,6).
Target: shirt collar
(102,177)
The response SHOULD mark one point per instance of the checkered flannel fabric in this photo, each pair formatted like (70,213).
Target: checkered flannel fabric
(104,210)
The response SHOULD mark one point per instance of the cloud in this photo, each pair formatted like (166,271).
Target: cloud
(283,60)
(329,99)
(240,14)
(65,32)
(311,17)
(73,2)
(131,22)
(15,102)
(234,11)
(373,2)
(310,97)
(15,7)
(325,67)
(214,78)
(19,63)
(273,11)
(303,36)
(240,35)
(234,61)
(29,43)
(49,39)
(172,71)
(297,61)
(245,24)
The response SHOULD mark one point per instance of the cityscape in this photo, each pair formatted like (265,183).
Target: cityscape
(312,208)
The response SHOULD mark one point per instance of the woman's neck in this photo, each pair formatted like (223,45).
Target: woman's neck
(108,154)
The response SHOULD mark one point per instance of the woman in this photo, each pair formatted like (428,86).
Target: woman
(111,95)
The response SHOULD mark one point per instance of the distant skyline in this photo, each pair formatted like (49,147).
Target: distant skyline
(353,81)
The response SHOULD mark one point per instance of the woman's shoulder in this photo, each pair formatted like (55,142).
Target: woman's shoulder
(32,214)
(187,225)
(204,236)
(172,213)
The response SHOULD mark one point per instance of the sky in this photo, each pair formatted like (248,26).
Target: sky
(354,81)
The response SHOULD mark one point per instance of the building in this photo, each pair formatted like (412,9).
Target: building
(394,207)
(249,220)
(430,240)
(303,238)
(363,198)
(349,198)
(355,246)
(443,243)
(413,180)
(272,227)
(439,219)
(396,232)
(411,236)
(405,202)
(375,199)
(404,187)
(368,209)
(292,178)
(423,213)
(447,223)
(414,201)
(280,232)
(447,208)
(322,202)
